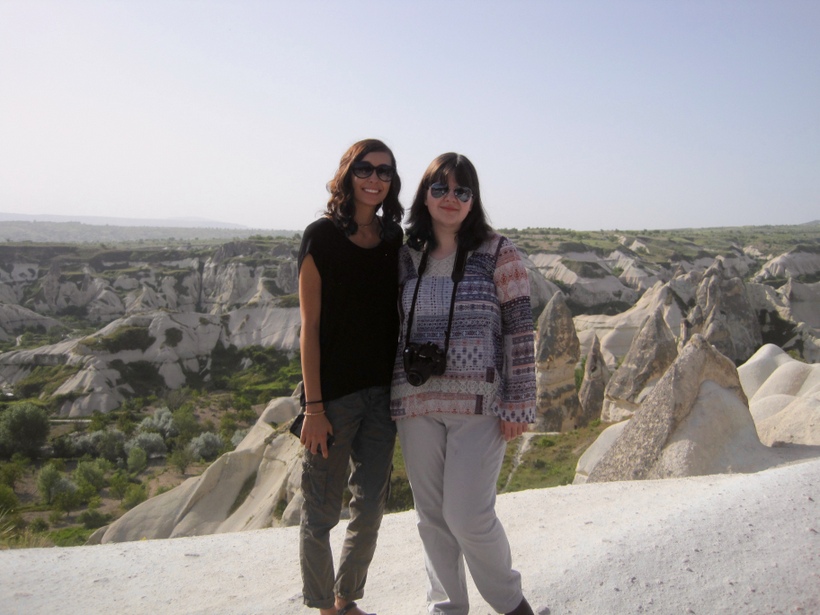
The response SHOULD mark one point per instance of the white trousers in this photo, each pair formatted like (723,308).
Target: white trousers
(453,462)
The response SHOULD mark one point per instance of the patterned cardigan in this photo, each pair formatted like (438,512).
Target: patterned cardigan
(490,362)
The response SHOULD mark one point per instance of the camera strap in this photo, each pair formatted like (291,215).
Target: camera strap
(456,277)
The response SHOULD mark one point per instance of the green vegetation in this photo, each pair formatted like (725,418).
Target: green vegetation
(44,380)
(255,374)
(123,338)
(548,461)
(23,430)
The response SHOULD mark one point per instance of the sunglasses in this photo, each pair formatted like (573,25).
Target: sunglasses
(461,193)
(364,169)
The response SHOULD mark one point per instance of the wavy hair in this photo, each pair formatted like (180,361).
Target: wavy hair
(340,207)
(474,230)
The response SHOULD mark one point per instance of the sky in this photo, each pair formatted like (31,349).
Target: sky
(581,115)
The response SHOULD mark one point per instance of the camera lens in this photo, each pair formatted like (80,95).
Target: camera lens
(415,379)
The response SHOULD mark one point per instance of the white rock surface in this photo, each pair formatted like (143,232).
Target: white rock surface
(724,544)
(784,397)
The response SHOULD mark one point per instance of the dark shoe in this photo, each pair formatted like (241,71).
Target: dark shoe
(347,608)
(522,609)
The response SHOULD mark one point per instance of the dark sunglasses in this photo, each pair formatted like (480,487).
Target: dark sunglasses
(461,193)
(364,169)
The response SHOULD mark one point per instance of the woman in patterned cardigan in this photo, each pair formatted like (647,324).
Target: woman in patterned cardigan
(461,390)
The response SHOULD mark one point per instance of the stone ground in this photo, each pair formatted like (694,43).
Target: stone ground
(720,544)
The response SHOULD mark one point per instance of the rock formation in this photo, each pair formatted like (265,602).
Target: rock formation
(16,319)
(587,276)
(596,377)
(652,351)
(557,353)
(695,421)
(242,490)
(795,262)
(784,397)
(731,324)
(170,345)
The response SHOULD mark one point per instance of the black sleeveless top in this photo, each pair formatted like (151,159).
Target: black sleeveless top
(359,324)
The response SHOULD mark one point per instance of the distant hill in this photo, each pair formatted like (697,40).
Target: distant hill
(114,221)
(88,229)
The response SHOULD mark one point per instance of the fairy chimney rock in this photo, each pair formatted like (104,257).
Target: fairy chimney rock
(652,352)
(557,353)
(596,376)
(696,421)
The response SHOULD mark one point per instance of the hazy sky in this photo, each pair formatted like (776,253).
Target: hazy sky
(578,114)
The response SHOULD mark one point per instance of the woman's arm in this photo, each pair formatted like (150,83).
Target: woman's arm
(316,427)
(517,393)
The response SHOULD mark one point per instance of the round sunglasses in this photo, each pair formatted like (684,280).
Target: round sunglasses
(461,193)
(364,169)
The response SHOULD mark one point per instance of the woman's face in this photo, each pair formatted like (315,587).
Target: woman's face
(371,191)
(447,211)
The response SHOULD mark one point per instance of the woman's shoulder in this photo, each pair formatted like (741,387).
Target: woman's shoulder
(392,231)
(493,243)
(320,226)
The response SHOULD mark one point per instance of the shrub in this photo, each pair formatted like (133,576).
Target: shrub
(186,424)
(118,484)
(92,519)
(206,446)
(91,473)
(124,338)
(11,472)
(137,460)
(23,429)
(64,447)
(66,495)
(181,458)
(238,436)
(8,499)
(161,422)
(151,443)
(173,336)
(38,525)
(134,495)
(47,480)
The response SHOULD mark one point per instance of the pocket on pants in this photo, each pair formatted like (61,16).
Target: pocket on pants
(314,483)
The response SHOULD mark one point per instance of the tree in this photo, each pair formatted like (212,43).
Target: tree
(24,429)
(137,460)
(47,480)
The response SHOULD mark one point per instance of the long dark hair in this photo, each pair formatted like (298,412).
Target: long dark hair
(474,230)
(340,207)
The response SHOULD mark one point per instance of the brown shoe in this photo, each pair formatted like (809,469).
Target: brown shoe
(522,609)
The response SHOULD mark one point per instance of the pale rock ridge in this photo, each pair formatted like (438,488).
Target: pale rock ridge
(182,344)
(784,397)
(731,324)
(652,351)
(596,377)
(215,502)
(541,289)
(804,300)
(597,287)
(795,262)
(695,421)
(57,294)
(617,332)
(15,319)
(557,352)
(8,294)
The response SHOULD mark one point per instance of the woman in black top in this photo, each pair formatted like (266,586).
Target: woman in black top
(348,289)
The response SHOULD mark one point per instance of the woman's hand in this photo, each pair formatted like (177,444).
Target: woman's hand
(510,430)
(315,431)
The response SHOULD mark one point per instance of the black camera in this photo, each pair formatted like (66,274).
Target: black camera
(422,361)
